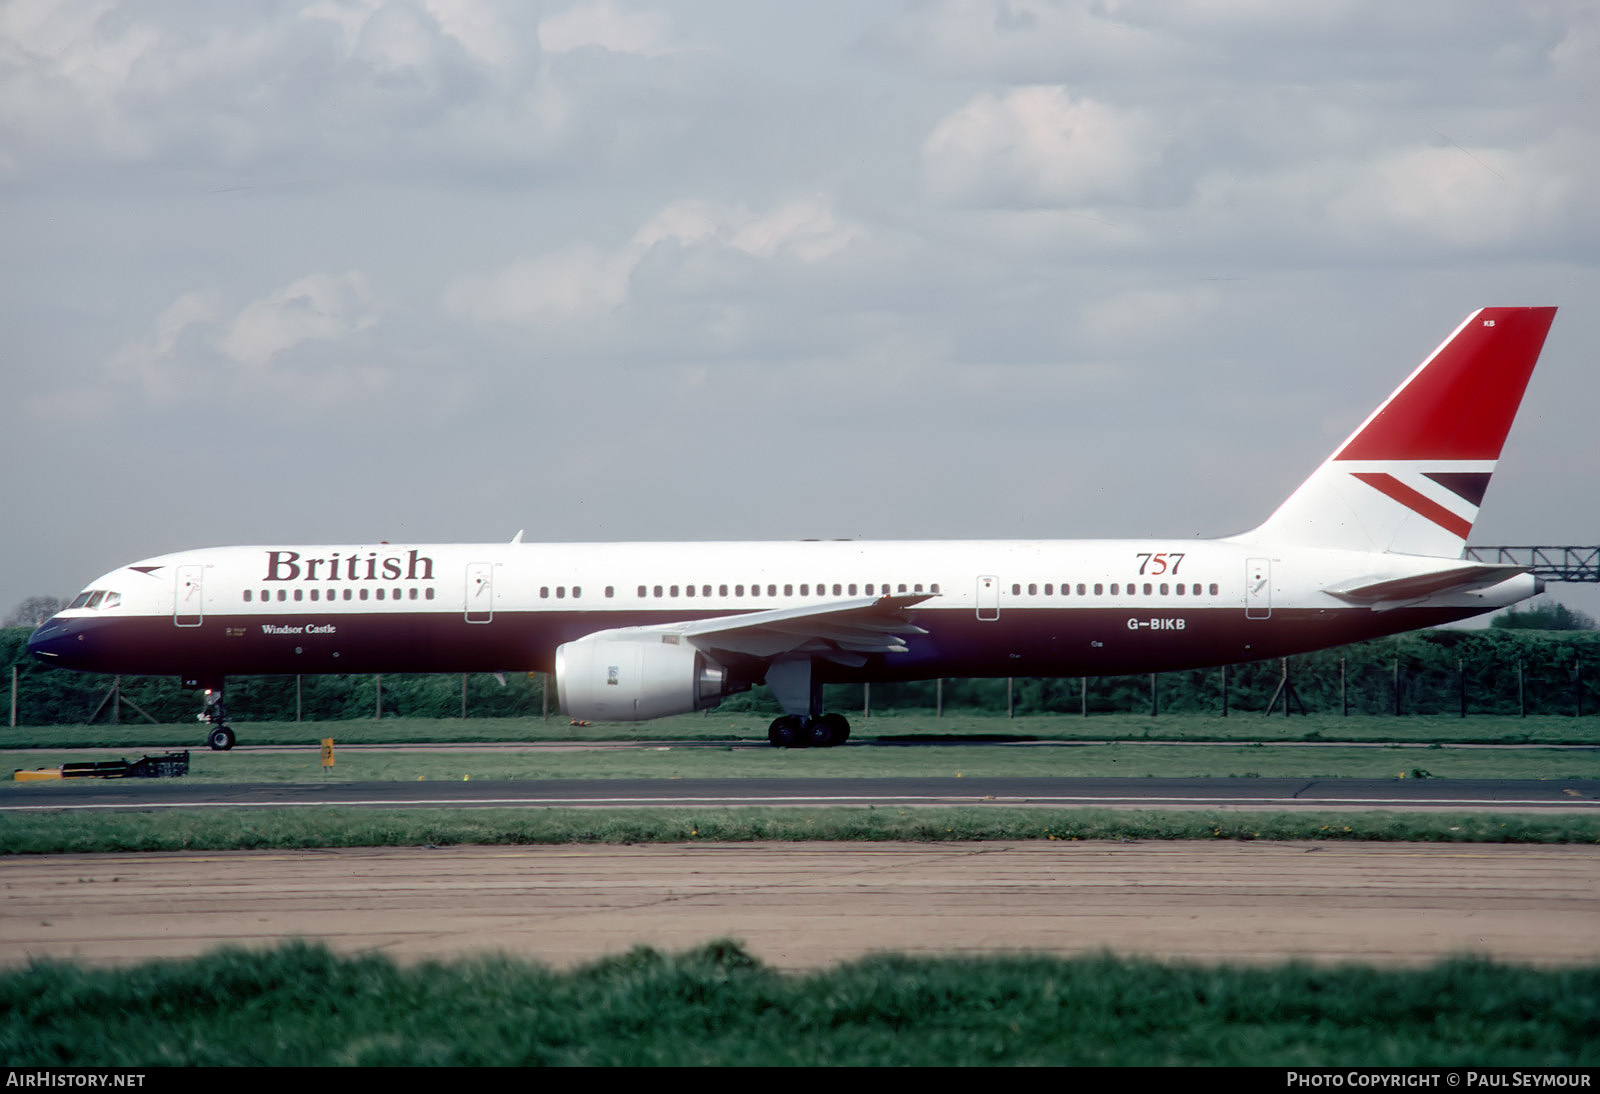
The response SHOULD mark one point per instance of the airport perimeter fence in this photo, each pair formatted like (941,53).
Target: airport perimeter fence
(1502,672)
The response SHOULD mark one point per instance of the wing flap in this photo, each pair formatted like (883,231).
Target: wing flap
(842,630)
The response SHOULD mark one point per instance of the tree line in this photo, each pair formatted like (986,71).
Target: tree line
(1499,671)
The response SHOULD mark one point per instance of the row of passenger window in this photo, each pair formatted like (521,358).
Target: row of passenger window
(647,592)
(1117,589)
(362,593)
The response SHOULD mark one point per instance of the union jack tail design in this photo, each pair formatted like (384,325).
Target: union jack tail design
(1411,478)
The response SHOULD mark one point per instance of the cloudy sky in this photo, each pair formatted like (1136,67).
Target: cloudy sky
(351,270)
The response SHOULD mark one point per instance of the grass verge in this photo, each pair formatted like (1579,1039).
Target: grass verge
(717,1005)
(281,829)
(889,727)
(688,761)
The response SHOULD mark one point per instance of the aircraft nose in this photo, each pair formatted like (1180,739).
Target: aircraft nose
(53,639)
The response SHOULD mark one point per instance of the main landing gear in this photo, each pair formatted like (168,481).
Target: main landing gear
(821,731)
(218,734)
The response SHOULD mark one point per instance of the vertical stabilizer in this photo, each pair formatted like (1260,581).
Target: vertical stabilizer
(1411,478)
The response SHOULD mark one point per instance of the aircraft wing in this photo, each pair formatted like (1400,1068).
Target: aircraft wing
(1457,579)
(843,631)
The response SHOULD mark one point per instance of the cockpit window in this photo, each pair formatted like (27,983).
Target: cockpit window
(95,598)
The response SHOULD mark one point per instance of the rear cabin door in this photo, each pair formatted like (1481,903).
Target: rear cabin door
(1258,588)
(480,592)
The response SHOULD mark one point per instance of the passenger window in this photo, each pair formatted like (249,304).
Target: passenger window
(658,591)
(869,591)
(247,596)
(642,591)
(705,590)
(300,595)
(788,590)
(1213,588)
(283,594)
(1178,588)
(934,588)
(688,590)
(852,589)
(429,593)
(772,590)
(413,595)
(722,590)
(1033,590)
(1163,588)
(1097,588)
(1048,589)
(1080,589)
(674,590)
(544,592)
(738,590)
(1113,589)
(561,592)
(902,588)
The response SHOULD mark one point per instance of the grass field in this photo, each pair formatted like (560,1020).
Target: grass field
(1132,760)
(229,829)
(301,1005)
(903,726)
(971,752)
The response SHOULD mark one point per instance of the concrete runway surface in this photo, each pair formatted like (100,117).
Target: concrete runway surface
(807,905)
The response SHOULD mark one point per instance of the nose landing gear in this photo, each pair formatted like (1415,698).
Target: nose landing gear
(215,715)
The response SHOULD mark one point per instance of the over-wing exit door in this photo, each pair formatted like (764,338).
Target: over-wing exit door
(988,597)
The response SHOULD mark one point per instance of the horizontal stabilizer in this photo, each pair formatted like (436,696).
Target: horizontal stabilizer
(1457,579)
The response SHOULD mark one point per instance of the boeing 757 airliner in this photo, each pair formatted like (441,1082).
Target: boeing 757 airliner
(1372,543)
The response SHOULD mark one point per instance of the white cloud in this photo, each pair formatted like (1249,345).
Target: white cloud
(335,80)
(606,26)
(149,360)
(575,283)
(585,282)
(321,308)
(199,346)
(1038,146)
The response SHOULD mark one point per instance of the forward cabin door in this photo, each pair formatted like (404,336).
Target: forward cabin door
(1258,588)
(188,604)
(480,592)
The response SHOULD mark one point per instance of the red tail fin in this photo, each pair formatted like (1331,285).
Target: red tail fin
(1411,478)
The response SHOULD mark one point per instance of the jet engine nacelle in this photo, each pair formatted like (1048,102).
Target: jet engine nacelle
(633,674)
